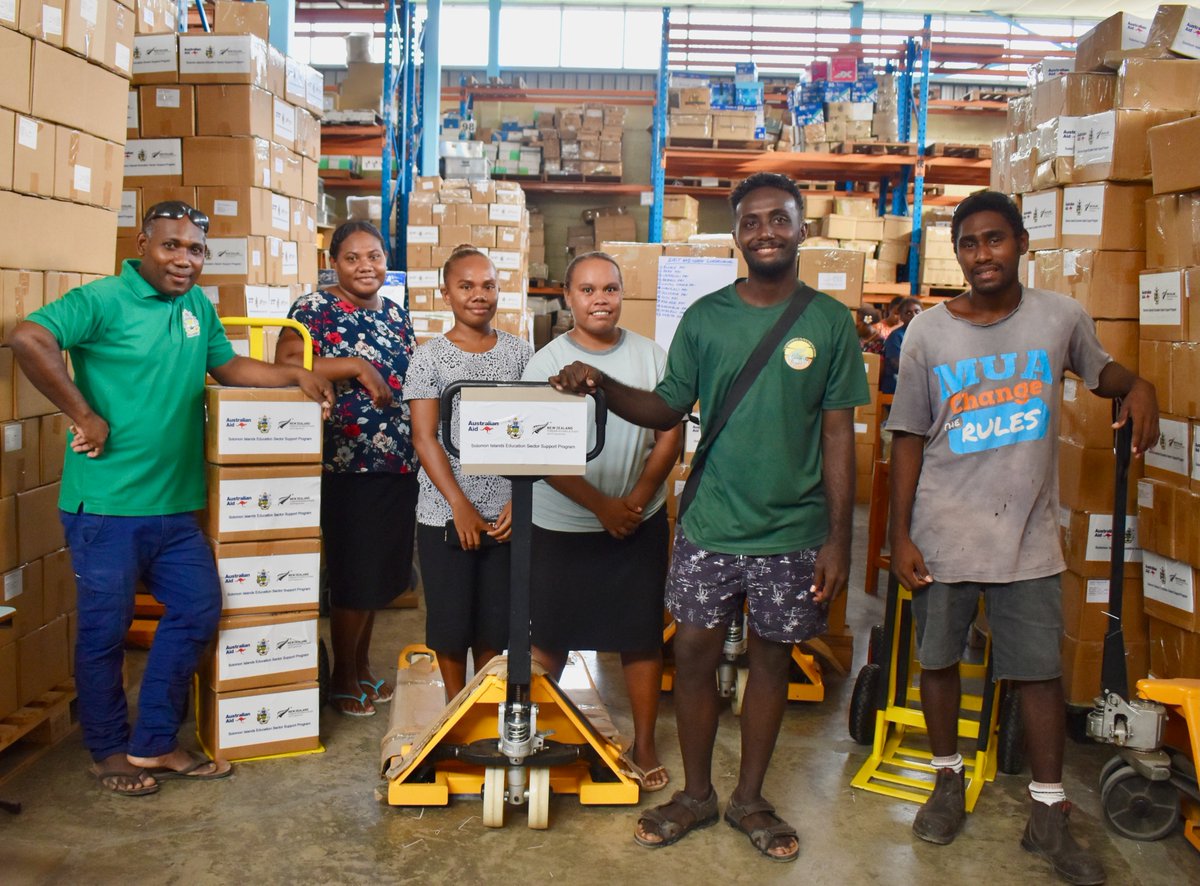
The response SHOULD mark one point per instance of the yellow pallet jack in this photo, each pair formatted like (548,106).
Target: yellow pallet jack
(1151,781)
(494,738)
(885,713)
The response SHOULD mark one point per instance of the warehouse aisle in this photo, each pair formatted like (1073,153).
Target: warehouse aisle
(314,819)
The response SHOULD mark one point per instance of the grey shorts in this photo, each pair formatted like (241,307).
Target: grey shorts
(706,589)
(1025,619)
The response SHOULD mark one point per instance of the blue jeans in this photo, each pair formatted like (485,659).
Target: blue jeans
(171,557)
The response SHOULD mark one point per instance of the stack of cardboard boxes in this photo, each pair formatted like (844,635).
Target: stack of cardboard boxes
(258,691)
(711,109)
(489,215)
(64,71)
(584,141)
(853,223)
(681,218)
(843,101)
(225,123)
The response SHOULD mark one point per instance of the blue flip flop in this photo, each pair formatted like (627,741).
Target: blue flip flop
(361,698)
(375,687)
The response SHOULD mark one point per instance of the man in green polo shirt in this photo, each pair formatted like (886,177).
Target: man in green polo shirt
(769,527)
(141,344)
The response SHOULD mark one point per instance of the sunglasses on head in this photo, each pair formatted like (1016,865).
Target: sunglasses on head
(175,209)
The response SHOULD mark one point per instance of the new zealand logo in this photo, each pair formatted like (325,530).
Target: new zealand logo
(263,716)
(264,501)
(514,429)
(264,424)
(262,579)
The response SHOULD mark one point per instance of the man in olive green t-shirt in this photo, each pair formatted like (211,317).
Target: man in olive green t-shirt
(769,527)
(141,344)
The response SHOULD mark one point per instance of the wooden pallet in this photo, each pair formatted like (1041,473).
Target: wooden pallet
(877,148)
(712,182)
(721,144)
(580,178)
(30,731)
(970,152)
(988,95)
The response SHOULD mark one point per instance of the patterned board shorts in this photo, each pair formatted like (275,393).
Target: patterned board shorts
(706,589)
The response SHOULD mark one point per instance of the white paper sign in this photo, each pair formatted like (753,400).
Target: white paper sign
(285,121)
(1097,590)
(14,584)
(290,259)
(82,179)
(155,54)
(262,650)
(423,279)
(1083,211)
(1170,452)
(167,98)
(8,11)
(1160,299)
(508,433)
(1145,494)
(1100,539)
(682,279)
(280,210)
(1187,38)
(1070,389)
(1095,136)
(278,503)
(128,215)
(423,234)
(831,281)
(286,715)
(13,437)
(226,255)
(27,133)
(51,21)
(1067,127)
(131,111)
(295,81)
(267,428)
(278,580)
(1196,451)
(1168,582)
(209,54)
(1040,214)
(225,208)
(504,212)
(121,56)
(153,156)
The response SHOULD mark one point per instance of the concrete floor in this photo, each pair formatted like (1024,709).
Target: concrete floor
(314,819)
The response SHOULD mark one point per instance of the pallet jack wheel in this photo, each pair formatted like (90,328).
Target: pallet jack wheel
(1010,750)
(324,678)
(875,644)
(1109,768)
(539,797)
(493,797)
(862,703)
(739,690)
(1138,808)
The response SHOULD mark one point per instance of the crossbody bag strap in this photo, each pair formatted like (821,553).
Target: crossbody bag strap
(750,371)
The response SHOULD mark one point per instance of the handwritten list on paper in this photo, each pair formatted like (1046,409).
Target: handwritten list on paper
(682,279)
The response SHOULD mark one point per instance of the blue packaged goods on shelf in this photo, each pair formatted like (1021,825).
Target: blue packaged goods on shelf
(722,95)
(861,93)
(809,113)
(686,78)
(745,72)
(838,92)
(865,69)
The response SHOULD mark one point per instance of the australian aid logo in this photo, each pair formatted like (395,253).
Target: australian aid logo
(996,400)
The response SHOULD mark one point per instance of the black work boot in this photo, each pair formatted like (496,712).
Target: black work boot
(942,816)
(1047,835)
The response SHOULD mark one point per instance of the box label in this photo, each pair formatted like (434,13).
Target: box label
(1083,211)
(1187,38)
(503,259)
(27,133)
(1160,299)
(51,21)
(1170,453)
(510,301)
(422,234)
(259,505)
(1094,139)
(280,210)
(290,259)
(827,280)
(1196,452)
(121,57)
(314,89)
(268,428)
(13,437)
(131,112)
(83,179)
(153,156)
(1040,214)
(423,279)
(266,649)
(278,580)
(296,81)
(1168,582)
(1145,495)
(504,212)
(128,215)
(271,717)
(155,54)
(285,121)
(1070,262)
(267,301)
(225,208)
(1100,539)
(89,11)
(1067,129)
(1097,590)
(1070,390)
(8,11)
(167,98)
(14,584)
(216,55)
(503,432)
(226,256)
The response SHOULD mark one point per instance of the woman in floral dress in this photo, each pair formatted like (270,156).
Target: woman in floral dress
(362,343)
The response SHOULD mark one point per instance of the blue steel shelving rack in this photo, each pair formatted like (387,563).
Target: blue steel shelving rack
(401,123)
(899,195)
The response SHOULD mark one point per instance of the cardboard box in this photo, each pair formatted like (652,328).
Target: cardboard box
(681,206)
(274,576)
(1120,339)
(287,174)
(91,231)
(638,316)
(20,456)
(1087,543)
(1165,305)
(21,293)
(1105,216)
(8,534)
(257,651)
(1081,666)
(58,584)
(39,531)
(1113,145)
(8,137)
(213,58)
(1086,611)
(1078,486)
(1170,457)
(87,169)
(33,165)
(234,110)
(1174,29)
(1086,419)
(1116,34)
(166,111)
(115,52)
(1174,652)
(263,503)
(283,262)
(129,216)
(15,70)
(221,161)
(28,401)
(836,272)
(1153,84)
(615,228)
(7,385)
(158,161)
(639,268)
(1105,283)
(259,722)
(9,690)
(261,426)
(232,260)
(155,58)
(59,78)
(52,446)
(23,590)
(1168,143)
(1184,394)
(42,20)
(42,660)
(1073,95)
(238,17)
(244,212)
(1042,215)
(1169,591)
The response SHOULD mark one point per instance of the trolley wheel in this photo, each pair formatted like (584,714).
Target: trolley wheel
(862,703)
(875,645)
(1109,768)
(1138,808)
(1010,744)
(739,690)
(539,797)
(493,797)
(324,678)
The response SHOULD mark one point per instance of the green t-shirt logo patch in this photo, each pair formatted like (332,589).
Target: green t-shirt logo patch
(191,326)
(799,353)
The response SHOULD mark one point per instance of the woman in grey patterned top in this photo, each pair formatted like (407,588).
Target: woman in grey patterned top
(463,521)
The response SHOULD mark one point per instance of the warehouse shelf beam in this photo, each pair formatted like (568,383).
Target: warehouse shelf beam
(493,64)
(919,180)
(904,123)
(658,137)
(283,24)
(1009,20)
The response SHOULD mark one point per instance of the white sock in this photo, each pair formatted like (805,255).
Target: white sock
(955,763)
(1047,793)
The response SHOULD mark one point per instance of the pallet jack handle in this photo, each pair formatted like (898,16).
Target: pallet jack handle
(258,334)
(1113,675)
